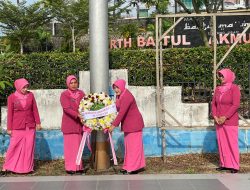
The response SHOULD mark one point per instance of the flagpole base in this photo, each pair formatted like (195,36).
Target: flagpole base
(102,160)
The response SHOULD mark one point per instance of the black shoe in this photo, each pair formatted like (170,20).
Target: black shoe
(70,172)
(80,172)
(234,171)
(3,173)
(133,172)
(221,168)
(130,173)
(123,171)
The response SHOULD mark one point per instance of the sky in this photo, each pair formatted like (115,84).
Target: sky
(28,1)
(132,13)
(14,1)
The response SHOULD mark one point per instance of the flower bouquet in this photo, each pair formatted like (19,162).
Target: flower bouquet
(98,111)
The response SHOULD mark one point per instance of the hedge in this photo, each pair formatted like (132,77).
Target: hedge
(181,66)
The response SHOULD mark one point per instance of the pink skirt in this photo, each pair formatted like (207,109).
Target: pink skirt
(20,154)
(228,146)
(134,154)
(71,146)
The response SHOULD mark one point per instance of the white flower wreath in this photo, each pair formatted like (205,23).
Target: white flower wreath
(98,110)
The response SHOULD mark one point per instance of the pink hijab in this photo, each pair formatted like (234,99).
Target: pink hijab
(73,93)
(120,83)
(19,85)
(229,78)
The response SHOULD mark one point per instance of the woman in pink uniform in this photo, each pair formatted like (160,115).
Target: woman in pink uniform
(22,121)
(71,124)
(132,125)
(225,105)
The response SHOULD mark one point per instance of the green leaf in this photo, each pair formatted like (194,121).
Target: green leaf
(2,85)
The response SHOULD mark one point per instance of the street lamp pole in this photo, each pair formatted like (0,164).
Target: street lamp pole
(99,70)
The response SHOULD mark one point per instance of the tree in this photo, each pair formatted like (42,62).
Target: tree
(116,23)
(161,6)
(19,22)
(72,15)
(4,81)
(211,6)
(118,7)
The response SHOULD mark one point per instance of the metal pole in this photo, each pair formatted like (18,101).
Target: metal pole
(158,83)
(158,74)
(215,49)
(99,68)
(161,63)
(173,31)
(163,130)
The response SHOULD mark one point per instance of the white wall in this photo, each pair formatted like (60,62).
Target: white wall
(48,102)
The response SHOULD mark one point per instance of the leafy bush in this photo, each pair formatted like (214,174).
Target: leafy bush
(190,68)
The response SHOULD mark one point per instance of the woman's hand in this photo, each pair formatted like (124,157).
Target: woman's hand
(111,128)
(82,121)
(216,119)
(9,132)
(222,120)
(38,127)
(80,116)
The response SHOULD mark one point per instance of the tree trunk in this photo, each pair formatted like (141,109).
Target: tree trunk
(137,10)
(46,45)
(21,47)
(196,7)
(198,21)
(199,24)
(73,39)
(204,37)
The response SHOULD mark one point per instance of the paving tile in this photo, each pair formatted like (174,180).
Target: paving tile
(50,185)
(79,185)
(207,184)
(175,184)
(17,185)
(143,185)
(113,185)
